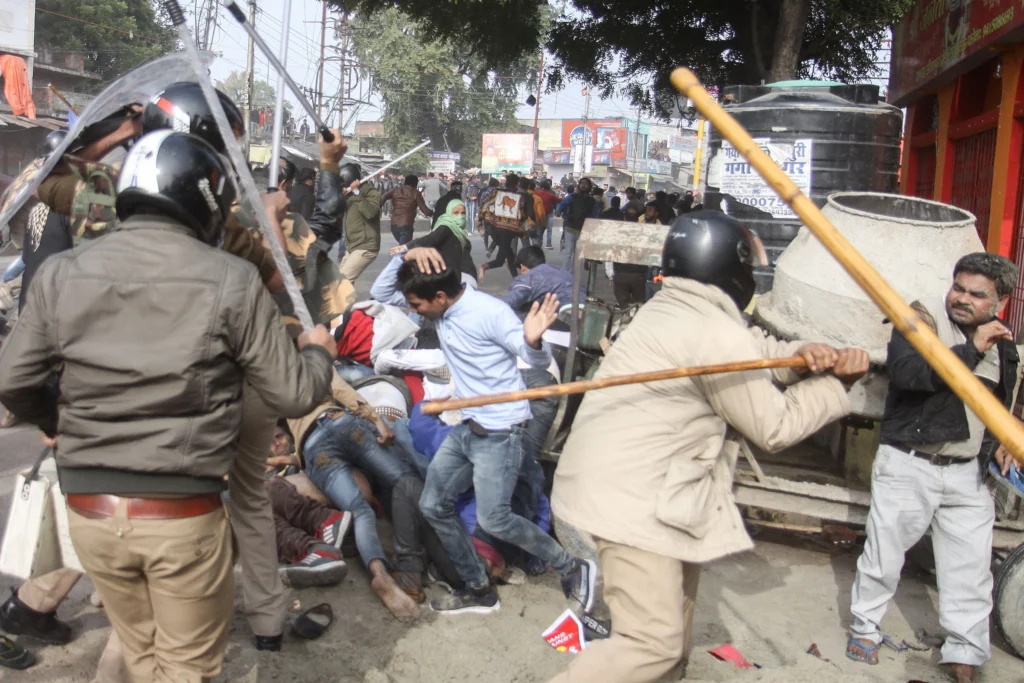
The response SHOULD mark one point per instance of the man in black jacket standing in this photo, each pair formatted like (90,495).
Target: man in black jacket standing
(301,193)
(929,470)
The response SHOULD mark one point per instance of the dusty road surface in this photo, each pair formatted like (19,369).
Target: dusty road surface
(771,604)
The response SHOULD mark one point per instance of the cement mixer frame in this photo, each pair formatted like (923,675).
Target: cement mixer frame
(756,488)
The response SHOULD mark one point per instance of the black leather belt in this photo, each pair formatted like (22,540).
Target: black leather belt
(937,460)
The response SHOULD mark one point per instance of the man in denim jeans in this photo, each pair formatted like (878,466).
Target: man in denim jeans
(481,338)
(332,442)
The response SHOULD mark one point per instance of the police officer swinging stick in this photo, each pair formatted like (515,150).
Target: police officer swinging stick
(249,192)
(966,386)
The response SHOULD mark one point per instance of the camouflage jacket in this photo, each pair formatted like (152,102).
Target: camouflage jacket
(85,192)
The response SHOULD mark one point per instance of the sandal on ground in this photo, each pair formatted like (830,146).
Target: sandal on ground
(314,622)
(14,656)
(869,650)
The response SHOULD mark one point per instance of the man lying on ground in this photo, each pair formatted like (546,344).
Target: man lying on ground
(309,533)
(331,442)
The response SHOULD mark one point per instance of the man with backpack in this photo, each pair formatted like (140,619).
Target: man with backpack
(550,200)
(576,208)
(509,211)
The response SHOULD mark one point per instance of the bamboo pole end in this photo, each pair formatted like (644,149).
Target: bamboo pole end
(683,79)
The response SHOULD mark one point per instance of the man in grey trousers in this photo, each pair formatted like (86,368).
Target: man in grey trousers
(930,468)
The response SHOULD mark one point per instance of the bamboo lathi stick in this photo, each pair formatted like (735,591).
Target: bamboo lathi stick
(962,381)
(63,99)
(436,407)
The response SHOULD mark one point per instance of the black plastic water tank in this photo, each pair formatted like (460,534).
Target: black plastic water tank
(855,145)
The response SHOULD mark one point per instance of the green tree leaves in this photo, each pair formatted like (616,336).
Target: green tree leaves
(131,32)
(437,87)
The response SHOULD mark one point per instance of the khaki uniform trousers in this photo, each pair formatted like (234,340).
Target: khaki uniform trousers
(651,598)
(354,262)
(252,520)
(168,589)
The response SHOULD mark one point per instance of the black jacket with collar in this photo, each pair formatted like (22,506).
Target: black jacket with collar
(922,409)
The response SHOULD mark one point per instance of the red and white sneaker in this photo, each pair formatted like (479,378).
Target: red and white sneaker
(322,566)
(333,530)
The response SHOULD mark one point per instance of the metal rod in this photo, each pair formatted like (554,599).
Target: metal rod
(248,195)
(436,407)
(395,161)
(275,140)
(944,362)
(272,60)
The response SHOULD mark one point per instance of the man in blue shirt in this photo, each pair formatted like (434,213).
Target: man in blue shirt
(536,279)
(481,339)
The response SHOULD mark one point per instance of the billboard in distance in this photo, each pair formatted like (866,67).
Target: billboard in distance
(443,162)
(506,152)
(599,135)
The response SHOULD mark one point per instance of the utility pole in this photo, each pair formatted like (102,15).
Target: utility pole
(343,87)
(208,23)
(536,110)
(698,156)
(323,42)
(587,149)
(250,65)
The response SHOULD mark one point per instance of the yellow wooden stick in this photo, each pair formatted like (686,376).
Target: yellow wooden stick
(969,388)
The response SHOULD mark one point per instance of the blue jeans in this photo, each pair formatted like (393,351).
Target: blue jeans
(403,438)
(402,233)
(332,450)
(352,372)
(569,252)
(536,237)
(550,228)
(490,464)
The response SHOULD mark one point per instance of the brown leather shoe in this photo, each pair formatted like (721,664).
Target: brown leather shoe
(964,673)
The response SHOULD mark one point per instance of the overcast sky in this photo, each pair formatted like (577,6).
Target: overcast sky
(304,53)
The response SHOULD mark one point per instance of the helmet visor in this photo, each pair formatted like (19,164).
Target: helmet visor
(751,250)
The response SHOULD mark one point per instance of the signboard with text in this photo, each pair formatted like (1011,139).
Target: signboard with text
(506,152)
(609,135)
(443,162)
(645,166)
(557,156)
(935,35)
(740,180)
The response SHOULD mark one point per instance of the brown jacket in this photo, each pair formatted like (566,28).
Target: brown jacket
(405,200)
(651,465)
(153,334)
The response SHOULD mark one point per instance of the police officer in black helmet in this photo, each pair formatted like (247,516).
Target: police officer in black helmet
(159,331)
(667,509)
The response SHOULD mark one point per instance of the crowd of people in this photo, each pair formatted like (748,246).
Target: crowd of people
(160,353)
(304,433)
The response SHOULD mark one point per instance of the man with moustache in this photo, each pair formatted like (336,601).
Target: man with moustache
(929,469)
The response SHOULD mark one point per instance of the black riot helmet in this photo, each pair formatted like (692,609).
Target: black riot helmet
(52,141)
(180,176)
(182,108)
(716,249)
(349,173)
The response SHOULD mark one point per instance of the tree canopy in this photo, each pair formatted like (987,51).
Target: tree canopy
(143,32)
(631,46)
(264,95)
(437,88)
